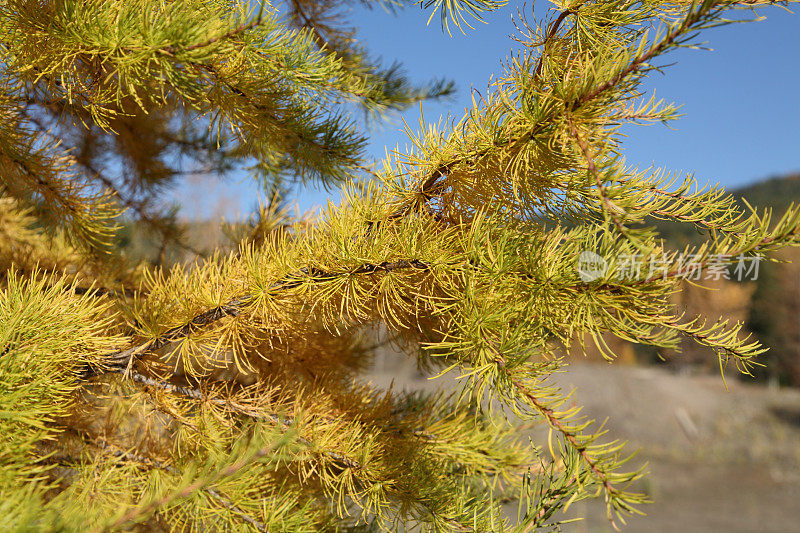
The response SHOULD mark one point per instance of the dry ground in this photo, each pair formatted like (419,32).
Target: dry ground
(719,460)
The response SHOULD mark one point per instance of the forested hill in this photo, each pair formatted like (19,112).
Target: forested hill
(777,193)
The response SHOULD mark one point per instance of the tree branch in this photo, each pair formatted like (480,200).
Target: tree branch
(124,358)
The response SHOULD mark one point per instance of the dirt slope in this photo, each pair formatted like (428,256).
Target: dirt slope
(720,460)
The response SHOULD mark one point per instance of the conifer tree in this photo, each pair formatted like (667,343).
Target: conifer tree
(227,394)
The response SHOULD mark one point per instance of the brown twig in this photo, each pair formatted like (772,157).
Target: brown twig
(199,395)
(556,423)
(611,208)
(551,33)
(103,291)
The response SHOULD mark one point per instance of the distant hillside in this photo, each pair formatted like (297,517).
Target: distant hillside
(777,193)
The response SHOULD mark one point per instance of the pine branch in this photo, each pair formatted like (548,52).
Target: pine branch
(642,61)
(230,405)
(287,424)
(124,359)
(487,281)
(237,466)
(431,183)
(763,244)
(199,395)
(241,28)
(153,463)
(104,291)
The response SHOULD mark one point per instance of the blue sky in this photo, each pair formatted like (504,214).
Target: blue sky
(741,102)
